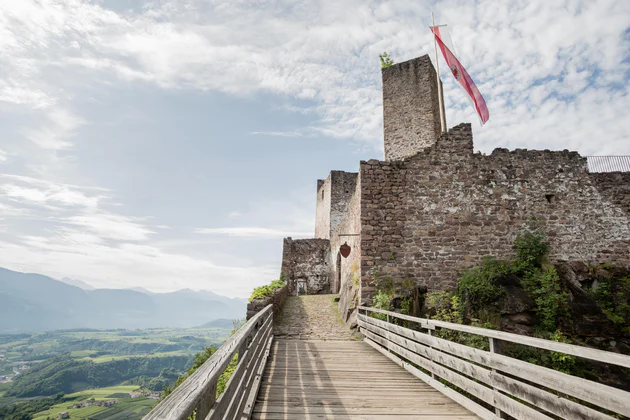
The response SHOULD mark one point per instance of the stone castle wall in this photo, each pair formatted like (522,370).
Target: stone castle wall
(433,208)
(333,195)
(306,261)
(346,272)
(411,114)
(430,216)
(322,209)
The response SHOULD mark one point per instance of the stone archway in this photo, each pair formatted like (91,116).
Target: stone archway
(337,281)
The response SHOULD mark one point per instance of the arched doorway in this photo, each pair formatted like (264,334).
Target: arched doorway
(337,282)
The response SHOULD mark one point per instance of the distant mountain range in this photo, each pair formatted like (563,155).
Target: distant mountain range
(33,302)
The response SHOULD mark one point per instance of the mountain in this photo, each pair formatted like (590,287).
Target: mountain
(33,302)
(78,283)
(219,323)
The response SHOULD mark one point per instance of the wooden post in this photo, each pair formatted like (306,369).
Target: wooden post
(495,348)
(206,403)
(432,333)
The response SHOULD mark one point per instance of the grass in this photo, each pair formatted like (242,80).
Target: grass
(127,408)
(109,358)
(83,353)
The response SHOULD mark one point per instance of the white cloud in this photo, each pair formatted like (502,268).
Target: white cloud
(327,52)
(21,95)
(277,133)
(253,232)
(54,194)
(62,125)
(555,75)
(111,226)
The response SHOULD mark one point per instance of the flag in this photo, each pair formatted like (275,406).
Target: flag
(460,73)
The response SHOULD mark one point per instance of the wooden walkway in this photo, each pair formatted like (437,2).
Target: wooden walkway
(315,379)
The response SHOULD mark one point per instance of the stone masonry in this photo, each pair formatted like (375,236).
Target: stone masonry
(411,114)
(430,216)
(333,195)
(434,208)
(305,266)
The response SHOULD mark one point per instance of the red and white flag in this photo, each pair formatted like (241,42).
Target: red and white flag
(460,73)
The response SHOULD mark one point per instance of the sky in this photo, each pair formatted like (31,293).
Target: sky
(172,144)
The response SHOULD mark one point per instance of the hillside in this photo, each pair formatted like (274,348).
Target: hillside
(33,302)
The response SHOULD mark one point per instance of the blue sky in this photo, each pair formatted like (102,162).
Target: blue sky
(170,144)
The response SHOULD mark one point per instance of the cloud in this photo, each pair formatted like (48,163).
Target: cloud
(253,232)
(62,125)
(33,191)
(111,226)
(554,74)
(525,58)
(277,133)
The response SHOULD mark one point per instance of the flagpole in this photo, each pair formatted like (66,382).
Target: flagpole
(439,82)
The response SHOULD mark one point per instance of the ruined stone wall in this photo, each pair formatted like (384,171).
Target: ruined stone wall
(411,114)
(277,299)
(322,211)
(615,186)
(383,220)
(333,194)
(306,261)
(430,216)
(346,272)
(342,189)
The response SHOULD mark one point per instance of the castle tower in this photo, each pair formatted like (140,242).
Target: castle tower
(333,195)
(411,111)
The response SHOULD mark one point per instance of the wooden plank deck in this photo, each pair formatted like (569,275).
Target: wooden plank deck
(310,379)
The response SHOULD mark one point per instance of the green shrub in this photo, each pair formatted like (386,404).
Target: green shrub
(478,289)
(543,286)
(446,306)
(531,248)
(613,297)
(386,60)
(268,290)
(388,290)
(381,300)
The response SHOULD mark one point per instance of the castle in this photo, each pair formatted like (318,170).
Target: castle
(433,207)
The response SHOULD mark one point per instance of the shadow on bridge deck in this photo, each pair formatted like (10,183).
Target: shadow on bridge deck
(316,379)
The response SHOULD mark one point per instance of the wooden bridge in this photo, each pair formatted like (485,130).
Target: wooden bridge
(396,371)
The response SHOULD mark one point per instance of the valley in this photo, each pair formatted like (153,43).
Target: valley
(45,373)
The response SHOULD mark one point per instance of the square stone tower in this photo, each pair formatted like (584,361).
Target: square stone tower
(411,110)
(333,195)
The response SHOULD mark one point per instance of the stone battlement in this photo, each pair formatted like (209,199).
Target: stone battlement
(433,208)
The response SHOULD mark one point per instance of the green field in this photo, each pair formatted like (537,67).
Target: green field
(109,358)
(67,361)
(126,409)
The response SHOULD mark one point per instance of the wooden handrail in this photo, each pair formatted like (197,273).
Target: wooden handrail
(507,385)
(573,350)
(198,391)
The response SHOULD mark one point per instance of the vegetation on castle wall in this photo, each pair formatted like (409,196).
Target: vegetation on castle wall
(386,60)
(613,296)
(268,290)
(479,289)
(477,302)
(391,294)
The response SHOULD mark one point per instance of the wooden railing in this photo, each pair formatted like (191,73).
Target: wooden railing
(501,384)
(197,394)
